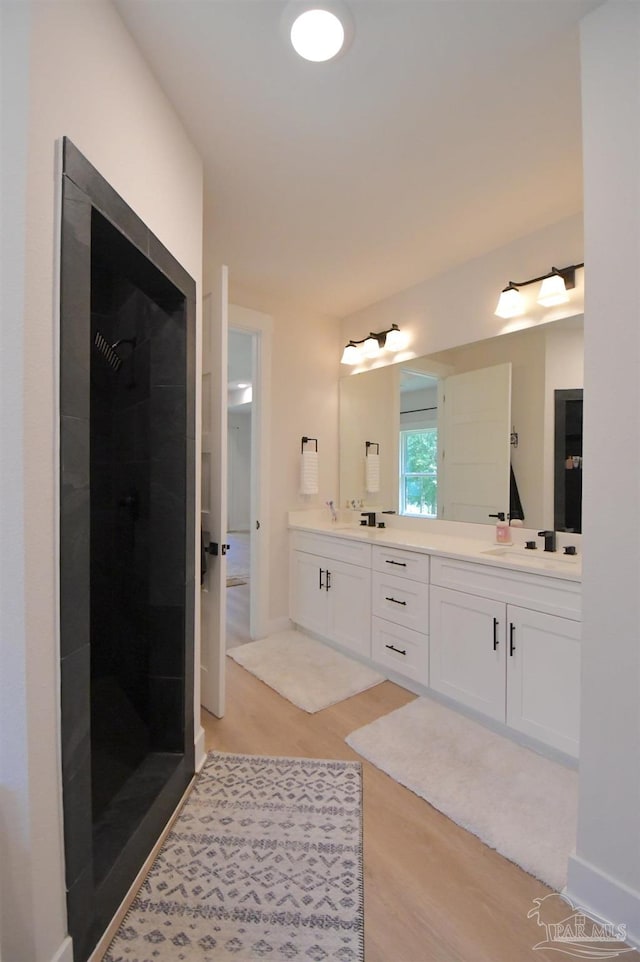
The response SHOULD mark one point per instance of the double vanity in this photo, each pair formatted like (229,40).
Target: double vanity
(493,628)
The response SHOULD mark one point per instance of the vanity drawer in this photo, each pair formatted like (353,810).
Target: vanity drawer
(337,549)
(554,596)
(401,650)
(402,564)
(400,600)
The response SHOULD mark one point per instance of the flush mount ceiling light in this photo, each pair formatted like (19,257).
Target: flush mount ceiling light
(553,290)
(317,35)
(372,345)
(318,31)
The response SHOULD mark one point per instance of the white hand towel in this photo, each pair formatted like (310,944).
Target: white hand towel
(309,472)
(372,473)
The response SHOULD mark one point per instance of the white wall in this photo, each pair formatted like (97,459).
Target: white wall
(304,401)
(88,81)
(369,411)
(16,826)
(605,874)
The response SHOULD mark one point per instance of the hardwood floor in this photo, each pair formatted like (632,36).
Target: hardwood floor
(433,892)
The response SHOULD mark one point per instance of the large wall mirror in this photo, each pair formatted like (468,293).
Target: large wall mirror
(468,432)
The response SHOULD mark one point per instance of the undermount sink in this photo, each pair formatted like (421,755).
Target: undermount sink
(529,556)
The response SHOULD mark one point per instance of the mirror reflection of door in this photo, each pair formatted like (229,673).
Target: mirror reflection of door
(568,460)
(475,444)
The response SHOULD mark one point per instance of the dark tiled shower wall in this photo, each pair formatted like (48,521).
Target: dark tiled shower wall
(142,440)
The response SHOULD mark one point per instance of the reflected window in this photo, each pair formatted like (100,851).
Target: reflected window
(419,472)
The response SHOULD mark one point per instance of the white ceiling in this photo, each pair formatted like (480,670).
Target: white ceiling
(449,128)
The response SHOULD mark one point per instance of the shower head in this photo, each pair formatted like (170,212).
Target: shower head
(108,351)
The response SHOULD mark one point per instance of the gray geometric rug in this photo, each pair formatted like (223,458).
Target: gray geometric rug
(263,862)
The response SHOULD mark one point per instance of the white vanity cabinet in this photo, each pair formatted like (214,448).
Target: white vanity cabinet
(400,608)
(516,663)
(330,589)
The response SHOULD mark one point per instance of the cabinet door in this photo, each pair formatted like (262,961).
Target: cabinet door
(308,591)
(543,677)
(467,650)
(349,606)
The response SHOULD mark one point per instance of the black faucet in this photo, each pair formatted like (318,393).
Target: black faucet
(549,540)
(371,518)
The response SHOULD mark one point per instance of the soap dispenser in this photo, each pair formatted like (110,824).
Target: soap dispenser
(503,533)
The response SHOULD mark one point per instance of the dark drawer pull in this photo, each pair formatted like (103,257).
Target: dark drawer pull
(495,634)
(400,564)
(395,601)
(320,583)
(512,631)
(328,580)
(398,651)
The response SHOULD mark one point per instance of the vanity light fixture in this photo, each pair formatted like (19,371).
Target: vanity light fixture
(553,290)
(373,344)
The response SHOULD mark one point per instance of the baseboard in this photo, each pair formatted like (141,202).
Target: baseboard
(278,624)
(604,897)
(200,753)
(65,952)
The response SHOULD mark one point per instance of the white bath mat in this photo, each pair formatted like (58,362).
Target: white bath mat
(516,801)
(311,675)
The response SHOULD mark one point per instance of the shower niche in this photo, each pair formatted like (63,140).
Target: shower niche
(127,546)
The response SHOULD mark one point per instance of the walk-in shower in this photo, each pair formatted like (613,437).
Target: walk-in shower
(127,434)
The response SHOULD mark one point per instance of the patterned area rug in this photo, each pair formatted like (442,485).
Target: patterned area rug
(263,862)
(307,673)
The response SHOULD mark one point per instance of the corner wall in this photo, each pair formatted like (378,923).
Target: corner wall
(604,875)
(87,80)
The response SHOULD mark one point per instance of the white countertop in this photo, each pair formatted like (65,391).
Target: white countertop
(515,557)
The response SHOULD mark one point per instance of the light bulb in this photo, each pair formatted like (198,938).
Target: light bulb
(317,35)
(510,303)
(394,340)
(371,346)
(350,355)
(553,291)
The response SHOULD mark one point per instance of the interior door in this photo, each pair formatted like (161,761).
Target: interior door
(475,447)
(214,496)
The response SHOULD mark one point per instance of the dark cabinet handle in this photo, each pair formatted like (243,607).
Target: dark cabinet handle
(398,651)
(495,634)
(320,585)
(512,631)
(395,601)
(328,580)
(400,564)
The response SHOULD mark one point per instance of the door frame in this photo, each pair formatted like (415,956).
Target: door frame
(260,326)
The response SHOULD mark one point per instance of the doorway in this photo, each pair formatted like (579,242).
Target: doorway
(568,460)
(126,572)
